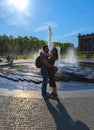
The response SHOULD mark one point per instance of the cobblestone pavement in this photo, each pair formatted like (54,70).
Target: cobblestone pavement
(18,113)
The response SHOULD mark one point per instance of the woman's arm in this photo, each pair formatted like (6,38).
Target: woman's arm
(46,63)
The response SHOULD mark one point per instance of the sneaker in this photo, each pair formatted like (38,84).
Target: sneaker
(46,96)
(52,95)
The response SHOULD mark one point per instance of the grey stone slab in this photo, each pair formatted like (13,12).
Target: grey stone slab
(38,114)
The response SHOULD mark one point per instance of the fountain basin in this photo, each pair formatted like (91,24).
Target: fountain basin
(27,77)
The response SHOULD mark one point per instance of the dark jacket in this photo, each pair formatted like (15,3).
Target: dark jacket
(44,68)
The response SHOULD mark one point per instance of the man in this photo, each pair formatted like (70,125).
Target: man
(44,69)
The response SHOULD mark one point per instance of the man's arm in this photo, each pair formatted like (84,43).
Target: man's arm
(45,61)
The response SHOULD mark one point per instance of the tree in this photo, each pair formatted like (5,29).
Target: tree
(27,44)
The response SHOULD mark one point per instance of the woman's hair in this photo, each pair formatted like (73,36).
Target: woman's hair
(56,53)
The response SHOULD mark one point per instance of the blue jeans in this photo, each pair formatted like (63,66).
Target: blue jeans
(44,83)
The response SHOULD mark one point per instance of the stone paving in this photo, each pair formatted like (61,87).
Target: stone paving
(33,113)
(73,110)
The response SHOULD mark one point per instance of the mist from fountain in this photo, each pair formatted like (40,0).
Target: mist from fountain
(68,64)
(71,57)
(69,68)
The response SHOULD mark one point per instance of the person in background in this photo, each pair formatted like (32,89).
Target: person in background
(44,69)
(11,60)
(8,58)
(52,71)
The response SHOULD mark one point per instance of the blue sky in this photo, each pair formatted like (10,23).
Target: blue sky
(67,18)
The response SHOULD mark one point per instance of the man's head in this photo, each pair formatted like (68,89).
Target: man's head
(45,49)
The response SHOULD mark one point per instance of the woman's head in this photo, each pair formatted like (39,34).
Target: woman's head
(54,51)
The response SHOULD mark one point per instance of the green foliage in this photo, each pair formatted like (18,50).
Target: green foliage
(30,56)
(0,56)
(84,56)
(63,56)
(20,45)
(64,46)
(26,45)
(20,56)
(81,56)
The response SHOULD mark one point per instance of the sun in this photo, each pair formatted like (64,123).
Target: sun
(20,5)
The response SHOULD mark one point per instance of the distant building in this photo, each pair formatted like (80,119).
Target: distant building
(86,43)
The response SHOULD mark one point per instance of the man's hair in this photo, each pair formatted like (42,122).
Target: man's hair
(45,47)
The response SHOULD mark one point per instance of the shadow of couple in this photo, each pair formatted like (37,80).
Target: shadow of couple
(61,117)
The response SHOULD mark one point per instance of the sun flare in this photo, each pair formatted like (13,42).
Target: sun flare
(20,5)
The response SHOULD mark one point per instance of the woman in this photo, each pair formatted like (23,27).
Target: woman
(52,71)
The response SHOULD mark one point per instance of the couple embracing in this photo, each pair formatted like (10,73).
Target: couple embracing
(48,70)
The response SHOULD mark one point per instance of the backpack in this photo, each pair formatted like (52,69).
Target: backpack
(38,62)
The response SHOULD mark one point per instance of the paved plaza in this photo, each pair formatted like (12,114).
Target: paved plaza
(27,110)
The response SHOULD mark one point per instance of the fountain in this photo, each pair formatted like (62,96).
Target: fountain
(50,44)
(69,68)
(72,75)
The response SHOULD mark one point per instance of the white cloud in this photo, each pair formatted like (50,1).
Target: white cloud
(75,32)
(45,25)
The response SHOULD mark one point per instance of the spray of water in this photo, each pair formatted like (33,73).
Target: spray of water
(71,57)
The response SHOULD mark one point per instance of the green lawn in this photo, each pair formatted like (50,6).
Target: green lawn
(81,56)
